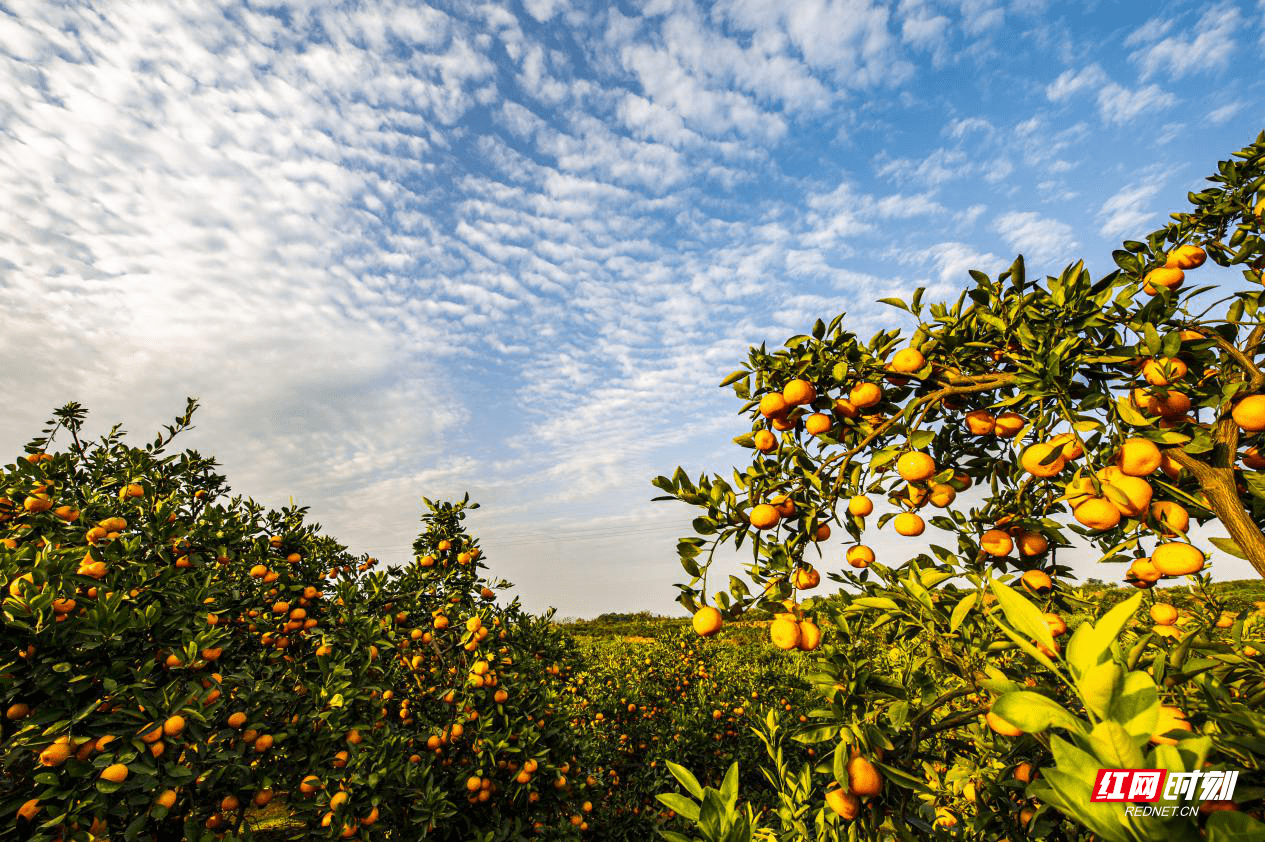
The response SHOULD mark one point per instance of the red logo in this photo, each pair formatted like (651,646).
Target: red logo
(1128,785)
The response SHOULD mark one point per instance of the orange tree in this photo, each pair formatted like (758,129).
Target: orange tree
(1032,418)
(172,658)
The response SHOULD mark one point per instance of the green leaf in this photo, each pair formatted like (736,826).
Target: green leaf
(1022,614)
(1034,713)
(961,610)
(1114,747)
(1233,826)
(683,806)
(1091,645)
(1130,415)
(1228,545)
(734,378)
(1099,686)
(895,302)
(687,779)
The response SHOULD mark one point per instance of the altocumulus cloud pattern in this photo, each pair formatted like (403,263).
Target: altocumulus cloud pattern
(511,247)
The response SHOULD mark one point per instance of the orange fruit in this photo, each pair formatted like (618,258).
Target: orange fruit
(980,422)
(174,726)
(860,505)
(773,405)
(1177,558)
(784,632)
(822,533)
(799,393)
(844,804)
(996,542)
(1143,571)
(1131,495)
(782,423)
(1001,726)
(865,395)
(1058,626)
(707,621)
(908,361)
(1043,459)
(1031,543)
(764,516)
(1163,278)
(942,495)
(805,579)
(1163,614)
(1171,517)
(1170,719)
(114,773)
(860,556)
(817,424)
(1071,447)
(1139,457)
(764,441)
(1249,413)
(1009,424)
(1163,371)
(864,779)
(29,809)
(1037,581)
(1188,256)
(845,408)
(809,636)
(915,466)
(908,524)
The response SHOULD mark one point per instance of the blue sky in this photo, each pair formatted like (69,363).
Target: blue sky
(400,249)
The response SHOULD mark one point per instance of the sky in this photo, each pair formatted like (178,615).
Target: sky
(511,249)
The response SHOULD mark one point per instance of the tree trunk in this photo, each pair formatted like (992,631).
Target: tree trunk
(1223,496)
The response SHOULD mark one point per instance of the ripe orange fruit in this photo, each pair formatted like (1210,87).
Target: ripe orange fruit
(915,466)
(1177,558)
(1071,447)
(942,495)
(865,395)
(707,621)
(845,408)
(1249,413)
(845,805)
(1097,513)
(1001,726)
(174,726)
(981,422)
(1131,495)
(822,533)
(864,779)
(1253,459)
(860,505)
(784,632)
(860,556)
(764,516)
(1031,543)
(799,393)
(764,441)
(1163,278)
(773,405)
(1170,719)
(1139,457)
(166,798)
(1037,581)
(1043,459)
(908,361)
(1058,626)
(1171,517)
(809,636)
(1163,371)
(817,424)
(1188,256)
(1143,571)
(1163,614)
(1009,424)
(996,542)
(908,524)
(782,423)
(114,773)
(805,579)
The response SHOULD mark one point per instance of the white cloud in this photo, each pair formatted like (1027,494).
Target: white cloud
(1071,82)
(965,125)
(936,168)
(1038,238)
(1224,113)
(1118,104)
(952,262)
(1125,214)
(1210,47)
